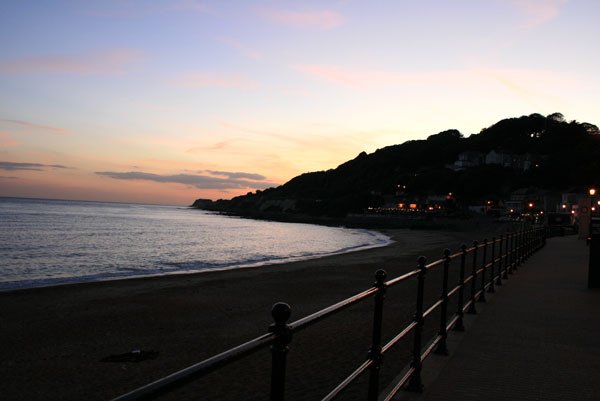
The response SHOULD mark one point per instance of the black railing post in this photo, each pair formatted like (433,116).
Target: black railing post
(531,243)
(442,347)
(483,266)
(281,313)
(492,263)
(415,383)
(472,308)
(544,236)
(516,251)
(521,241)
(459,326)
(375,351)
(526,242)
(503,255)
(509,252)
(499,259)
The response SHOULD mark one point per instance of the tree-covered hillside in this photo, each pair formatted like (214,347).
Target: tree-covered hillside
(553,154)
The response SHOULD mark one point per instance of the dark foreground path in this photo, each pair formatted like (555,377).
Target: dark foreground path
(537,338)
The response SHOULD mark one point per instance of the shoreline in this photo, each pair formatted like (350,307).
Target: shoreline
(383,240)
(53,338)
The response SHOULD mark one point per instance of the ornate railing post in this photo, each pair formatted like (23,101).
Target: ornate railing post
(472,308)
(459,326)
(281,313)
(375,351)
(415,383)
(492,263)
(483,266)
(442,347)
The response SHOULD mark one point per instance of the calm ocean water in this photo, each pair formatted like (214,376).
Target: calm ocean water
(49,242)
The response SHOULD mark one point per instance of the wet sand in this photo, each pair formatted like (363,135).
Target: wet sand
(52,339)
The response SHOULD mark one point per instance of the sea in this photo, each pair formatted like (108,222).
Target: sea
(52,242)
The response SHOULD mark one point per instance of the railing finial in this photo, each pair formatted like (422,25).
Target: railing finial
(281,312)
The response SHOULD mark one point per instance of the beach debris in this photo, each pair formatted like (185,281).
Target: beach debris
(136,355)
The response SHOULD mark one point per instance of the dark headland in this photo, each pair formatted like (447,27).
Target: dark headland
(532,158)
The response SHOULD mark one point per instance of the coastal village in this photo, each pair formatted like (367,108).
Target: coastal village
(529,203)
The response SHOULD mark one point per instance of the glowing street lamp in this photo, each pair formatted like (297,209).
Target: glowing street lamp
(592,191)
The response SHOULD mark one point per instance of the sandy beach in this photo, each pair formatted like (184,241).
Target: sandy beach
(53,339)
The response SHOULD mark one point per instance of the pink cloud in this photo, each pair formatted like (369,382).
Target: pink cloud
(215,146)
(365,78)
(361,79)
(201,79)
(109,62)
(37,127)
(6,140)
(538,12)
(324,19)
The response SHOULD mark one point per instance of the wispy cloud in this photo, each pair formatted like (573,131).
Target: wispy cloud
(364,77)
(537,12)
(322,19)
(215,146)
(29,166)
(467,78)
(38,127)
(240,48)
(238,175)
(111,62)
(6,140)
(231,181)
(201,79)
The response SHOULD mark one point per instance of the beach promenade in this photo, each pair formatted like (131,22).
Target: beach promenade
(536,338)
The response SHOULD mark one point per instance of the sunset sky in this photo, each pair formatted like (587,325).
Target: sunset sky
(169,101)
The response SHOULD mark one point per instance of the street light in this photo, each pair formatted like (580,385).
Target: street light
(592,191)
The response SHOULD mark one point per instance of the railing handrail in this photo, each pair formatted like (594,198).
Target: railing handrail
(521,245)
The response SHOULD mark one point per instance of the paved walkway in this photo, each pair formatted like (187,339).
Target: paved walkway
(537,338)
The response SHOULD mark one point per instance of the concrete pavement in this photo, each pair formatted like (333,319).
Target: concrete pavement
(537,337)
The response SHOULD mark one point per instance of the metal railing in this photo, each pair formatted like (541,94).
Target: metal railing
(500,257)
